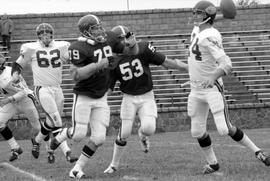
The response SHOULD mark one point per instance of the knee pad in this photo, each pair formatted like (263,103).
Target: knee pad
(205,141)
(79,131)
(98,140)
(221,123)
(148,125)
(238,135)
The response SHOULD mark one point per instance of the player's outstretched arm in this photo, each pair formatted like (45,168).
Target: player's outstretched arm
(81,73)
(175,64)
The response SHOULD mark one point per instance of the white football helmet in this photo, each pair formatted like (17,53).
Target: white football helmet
(45,33)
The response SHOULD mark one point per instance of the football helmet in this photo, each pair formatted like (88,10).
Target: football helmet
(204,12)
(90,27)
(121,31)
(45,33)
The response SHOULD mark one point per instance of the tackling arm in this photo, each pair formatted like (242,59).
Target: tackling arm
(81,73)
(175,64)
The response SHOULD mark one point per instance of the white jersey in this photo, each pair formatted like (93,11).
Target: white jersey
(7,85)
(205,48)
(46,62)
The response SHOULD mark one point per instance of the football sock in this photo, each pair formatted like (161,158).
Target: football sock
(64,147)
(210,155)
(13,143)
(118,150)
(248,143)
(206,145)
(61,136)
(39,137)
(240,137)
(87,152)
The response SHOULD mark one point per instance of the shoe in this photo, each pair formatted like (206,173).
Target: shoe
(54,143)
(51,157)
(263,157)
(35,148)
(207,169)
(76,172)
(15,154)
(70,158)
(145,143)
(111,169)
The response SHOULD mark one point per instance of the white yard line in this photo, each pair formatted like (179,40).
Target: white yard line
(16,169)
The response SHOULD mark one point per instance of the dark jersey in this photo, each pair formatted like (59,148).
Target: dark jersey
(133,71)
(83,53)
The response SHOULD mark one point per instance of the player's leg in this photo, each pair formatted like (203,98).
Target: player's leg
(198,111)
(27,106)
(127,115)
(6,113)
(81,111)
(147,114)
(99,121)
(59,99)
(46,98)
(220,112)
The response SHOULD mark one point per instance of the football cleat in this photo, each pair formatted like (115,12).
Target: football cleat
(70,158)
(54,143)
(35,148)
(51,157)
(76,173)
(208,169)
(15,154)
(145,143)
(111,169)
(263,157)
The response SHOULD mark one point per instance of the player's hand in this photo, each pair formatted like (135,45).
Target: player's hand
(16,77)
(130,40)
(113,62)
(4,101)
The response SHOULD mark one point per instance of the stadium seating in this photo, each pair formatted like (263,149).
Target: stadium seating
(249,82)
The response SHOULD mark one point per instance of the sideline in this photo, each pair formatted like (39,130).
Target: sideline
(16,169)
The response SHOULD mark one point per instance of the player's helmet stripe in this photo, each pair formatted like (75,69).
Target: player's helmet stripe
(96,18)
(122,30)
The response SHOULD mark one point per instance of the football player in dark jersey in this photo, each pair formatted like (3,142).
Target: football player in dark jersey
(136,83)
(91,57)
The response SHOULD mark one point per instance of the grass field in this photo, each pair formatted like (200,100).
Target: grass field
(173,157)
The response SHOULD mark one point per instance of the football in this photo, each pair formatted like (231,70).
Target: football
(228,9)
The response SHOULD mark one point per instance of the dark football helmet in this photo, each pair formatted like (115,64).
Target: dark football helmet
(204,12)
(121,31)
(45,33)
(90,27)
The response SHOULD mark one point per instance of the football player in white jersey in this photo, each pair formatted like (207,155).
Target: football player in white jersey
(207,64)
(17,99)
(46,57)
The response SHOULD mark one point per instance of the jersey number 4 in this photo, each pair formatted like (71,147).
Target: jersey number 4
(195,50)
(44,62)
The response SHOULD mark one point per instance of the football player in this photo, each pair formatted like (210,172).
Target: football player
(136,83)
(91,57)
(207,63)
(17,99)
(46,57)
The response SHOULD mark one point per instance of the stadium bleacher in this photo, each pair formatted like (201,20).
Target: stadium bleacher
(249,82)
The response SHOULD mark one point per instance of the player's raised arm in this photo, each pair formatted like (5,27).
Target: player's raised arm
(175,64)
